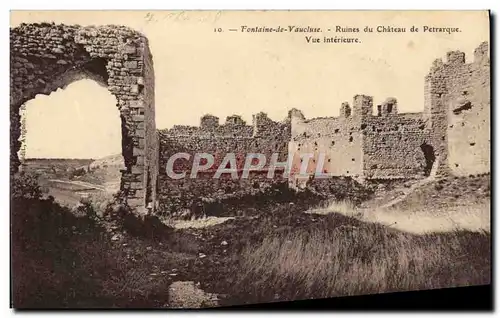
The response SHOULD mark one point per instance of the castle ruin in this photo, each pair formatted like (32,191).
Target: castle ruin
(450,136)
(46,56)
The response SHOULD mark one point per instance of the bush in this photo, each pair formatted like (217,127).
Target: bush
(341,188)
(63,261)
(147,227)
(25,185)
(60,260)
(77,173)
(44,260)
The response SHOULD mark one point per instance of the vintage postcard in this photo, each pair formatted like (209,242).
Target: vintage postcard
(194,159)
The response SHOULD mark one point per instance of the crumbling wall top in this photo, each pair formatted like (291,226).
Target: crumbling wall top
(234,120)
(345,110)
(234,127)
(455,57)
(388,107)
(296,114)
(51,30)
(481,53)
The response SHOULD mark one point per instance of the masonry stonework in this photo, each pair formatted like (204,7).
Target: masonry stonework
(450,136)
(46,56)
(461,92)
(234,136)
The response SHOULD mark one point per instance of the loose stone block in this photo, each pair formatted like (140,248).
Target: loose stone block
(130,64)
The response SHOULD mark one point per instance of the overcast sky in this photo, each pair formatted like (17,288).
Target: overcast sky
(200,71)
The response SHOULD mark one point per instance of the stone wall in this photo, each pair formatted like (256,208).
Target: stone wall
(337,139)
(151,159)
(465,101)
(267,138)
(46,56)
(451,135)
(392,146)
(362,145)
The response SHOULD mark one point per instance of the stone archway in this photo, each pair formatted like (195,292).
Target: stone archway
(46,56)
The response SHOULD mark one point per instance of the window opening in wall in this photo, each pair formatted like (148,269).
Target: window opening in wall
(429,156)
(464,105)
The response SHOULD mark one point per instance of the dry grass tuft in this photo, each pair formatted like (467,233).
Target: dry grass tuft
(475,217)
(415,219)
(370,258)
(416,214)
(344,207)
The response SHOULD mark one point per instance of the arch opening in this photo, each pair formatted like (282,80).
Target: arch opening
(68,53)
(73,134)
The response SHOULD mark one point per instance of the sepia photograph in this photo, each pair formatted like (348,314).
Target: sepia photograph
(223,159)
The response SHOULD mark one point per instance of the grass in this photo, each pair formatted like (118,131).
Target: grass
(430,208)
(414,219)
(359,259)
(63,261)
(344,207)
(474,217)
(353,251)
(284,254)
